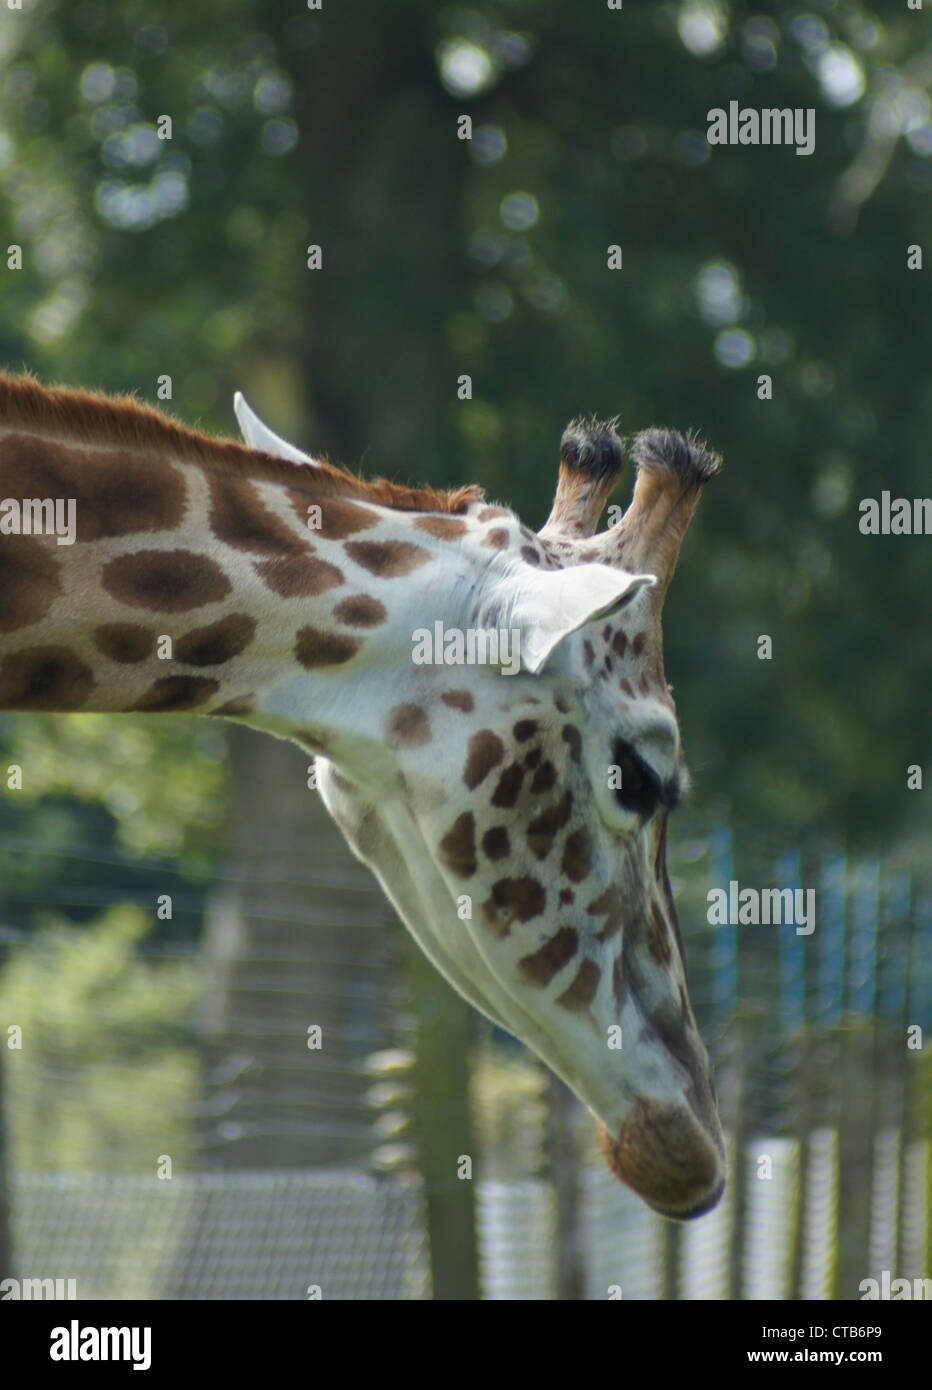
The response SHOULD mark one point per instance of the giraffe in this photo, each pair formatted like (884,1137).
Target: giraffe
(517,822)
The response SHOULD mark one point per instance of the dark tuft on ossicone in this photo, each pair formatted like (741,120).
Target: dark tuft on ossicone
(686,456)
(592,448)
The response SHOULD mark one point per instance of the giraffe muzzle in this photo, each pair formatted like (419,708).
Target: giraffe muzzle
(671,1158)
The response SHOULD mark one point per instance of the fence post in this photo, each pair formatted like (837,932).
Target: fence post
(562,1166)
(856,1159)
(794,1059)
(443,1127)
(859,1082)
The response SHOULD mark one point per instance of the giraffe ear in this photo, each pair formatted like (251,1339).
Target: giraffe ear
(551,604)
(259,436)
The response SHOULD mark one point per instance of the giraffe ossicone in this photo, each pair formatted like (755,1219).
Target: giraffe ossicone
(258,435)
(545,604)
(517,824)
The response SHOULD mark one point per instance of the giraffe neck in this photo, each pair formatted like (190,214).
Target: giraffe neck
(184,585)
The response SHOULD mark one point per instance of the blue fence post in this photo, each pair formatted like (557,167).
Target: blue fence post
(831,933)
(893,950)
(862,962)
(792,955)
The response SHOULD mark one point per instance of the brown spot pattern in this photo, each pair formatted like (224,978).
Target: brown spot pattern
(573,740)
(176,692)
(124,642)
(495,843)
(525,729)
(496,539)
(541,967)
(513,900)
(220,642)
(509,786)
(445,528)
(387,559)
(337,519)
(407,726)
(545,778)
(165,581)
(484,751)
(240,518)
(457,849)
(298,575)
(459,699)
(313,647)
(29,582)
(360,611)
(577,855)
(582,991)
(116,492)
(609,905)
(44,678)
(544,829)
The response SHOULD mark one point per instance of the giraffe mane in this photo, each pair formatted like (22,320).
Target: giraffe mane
(90,417)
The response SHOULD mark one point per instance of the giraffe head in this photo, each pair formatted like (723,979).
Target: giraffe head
(518,821)
(514,810)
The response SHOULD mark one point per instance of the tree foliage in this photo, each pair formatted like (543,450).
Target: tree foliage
(146,257)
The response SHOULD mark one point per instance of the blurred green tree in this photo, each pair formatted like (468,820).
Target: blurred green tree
(146,257)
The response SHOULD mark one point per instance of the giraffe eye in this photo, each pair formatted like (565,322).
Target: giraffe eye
(640,789)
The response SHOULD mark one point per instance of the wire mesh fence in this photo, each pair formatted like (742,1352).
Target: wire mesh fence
(175,1130)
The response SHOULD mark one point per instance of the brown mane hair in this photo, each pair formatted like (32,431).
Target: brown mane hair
(90,417)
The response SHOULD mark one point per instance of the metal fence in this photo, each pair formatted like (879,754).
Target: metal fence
(273,1170)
